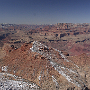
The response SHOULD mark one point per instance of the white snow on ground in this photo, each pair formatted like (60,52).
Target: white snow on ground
(7,84)
(39,77)
(70,74)
(4,68)
(54,80)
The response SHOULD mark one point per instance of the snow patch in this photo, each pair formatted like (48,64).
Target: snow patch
(54,80)
(4,68)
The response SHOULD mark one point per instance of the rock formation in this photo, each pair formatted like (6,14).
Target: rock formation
(46,67)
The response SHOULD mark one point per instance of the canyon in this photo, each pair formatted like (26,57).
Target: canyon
(46,57)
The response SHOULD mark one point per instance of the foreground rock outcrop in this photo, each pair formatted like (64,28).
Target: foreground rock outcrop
(46,67)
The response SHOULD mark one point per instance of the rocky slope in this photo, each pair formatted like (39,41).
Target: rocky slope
(46,67)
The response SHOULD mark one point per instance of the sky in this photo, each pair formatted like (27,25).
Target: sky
(44,11)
